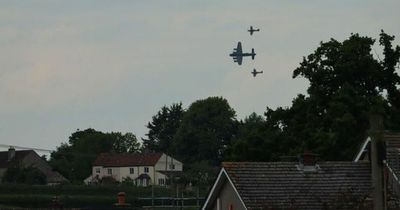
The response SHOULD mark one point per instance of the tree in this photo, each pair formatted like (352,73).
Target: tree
(126,143)
(347,84)
(251,142)
(16,173)
(207,128)
(162,128)
(74,159)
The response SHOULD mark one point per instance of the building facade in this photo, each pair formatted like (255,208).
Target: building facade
(142,169)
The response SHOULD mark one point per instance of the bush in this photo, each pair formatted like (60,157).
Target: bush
(26,175)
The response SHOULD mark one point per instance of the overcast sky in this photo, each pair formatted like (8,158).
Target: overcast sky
(111,65)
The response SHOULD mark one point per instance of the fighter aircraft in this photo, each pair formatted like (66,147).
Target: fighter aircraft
(255,72)
(251,30)
(238,54)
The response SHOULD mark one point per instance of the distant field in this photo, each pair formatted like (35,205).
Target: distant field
(87,196)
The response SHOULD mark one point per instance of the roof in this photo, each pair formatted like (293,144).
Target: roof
(31,157)
(123,160)
(282,185)
(392,141)
(19,156)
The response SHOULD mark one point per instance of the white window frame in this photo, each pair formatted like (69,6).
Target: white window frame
(131,170)
(161,181)
(109,171)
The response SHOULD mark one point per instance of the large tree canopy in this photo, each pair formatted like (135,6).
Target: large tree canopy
(207,128)
(162,128)
(347,85)
(74,159)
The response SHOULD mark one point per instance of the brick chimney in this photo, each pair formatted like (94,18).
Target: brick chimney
(308,162)
(309,159)
(11,153)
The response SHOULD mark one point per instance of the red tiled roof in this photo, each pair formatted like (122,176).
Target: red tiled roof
(121,160)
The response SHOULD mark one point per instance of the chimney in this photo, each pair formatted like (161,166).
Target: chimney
(11,153)
(309,159)
(308,162)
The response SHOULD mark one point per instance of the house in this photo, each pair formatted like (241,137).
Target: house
(29,158)
(371,181)
(290,185)
(144,169)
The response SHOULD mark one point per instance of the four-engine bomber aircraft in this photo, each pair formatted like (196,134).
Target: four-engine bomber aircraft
(238,54)
(255,72)
(251,30)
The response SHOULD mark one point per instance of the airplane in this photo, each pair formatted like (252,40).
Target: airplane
(238,54)
(251,30)
(255,72)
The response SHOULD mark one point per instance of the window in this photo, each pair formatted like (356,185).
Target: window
(109,171)
(131,171)
(161,182)
(172,166)
(97,170)
(146,169)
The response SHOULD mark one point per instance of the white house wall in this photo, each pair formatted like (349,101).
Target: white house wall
(119,173)
(163,164)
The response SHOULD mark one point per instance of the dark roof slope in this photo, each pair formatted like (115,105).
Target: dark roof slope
(121,160)
(19,156)
(392,141)
(281,185)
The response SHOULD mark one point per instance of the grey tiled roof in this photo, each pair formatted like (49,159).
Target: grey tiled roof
(19,155)
(392,141)
(281,185)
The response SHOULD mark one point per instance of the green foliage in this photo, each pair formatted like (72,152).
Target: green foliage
(24,175)
(108,180)
(73,196)
(128,181)
(74,160)
(126,143)
(163,127)
(199,174)
(207,128)
(251,142)
(347,85)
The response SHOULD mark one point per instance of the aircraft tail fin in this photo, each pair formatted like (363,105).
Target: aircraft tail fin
(253,54)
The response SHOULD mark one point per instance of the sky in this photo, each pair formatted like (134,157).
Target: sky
(111,65)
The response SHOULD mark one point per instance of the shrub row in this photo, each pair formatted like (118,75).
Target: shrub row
(83,196)
(83,190)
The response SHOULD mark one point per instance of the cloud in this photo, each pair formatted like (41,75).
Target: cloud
(113,65)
